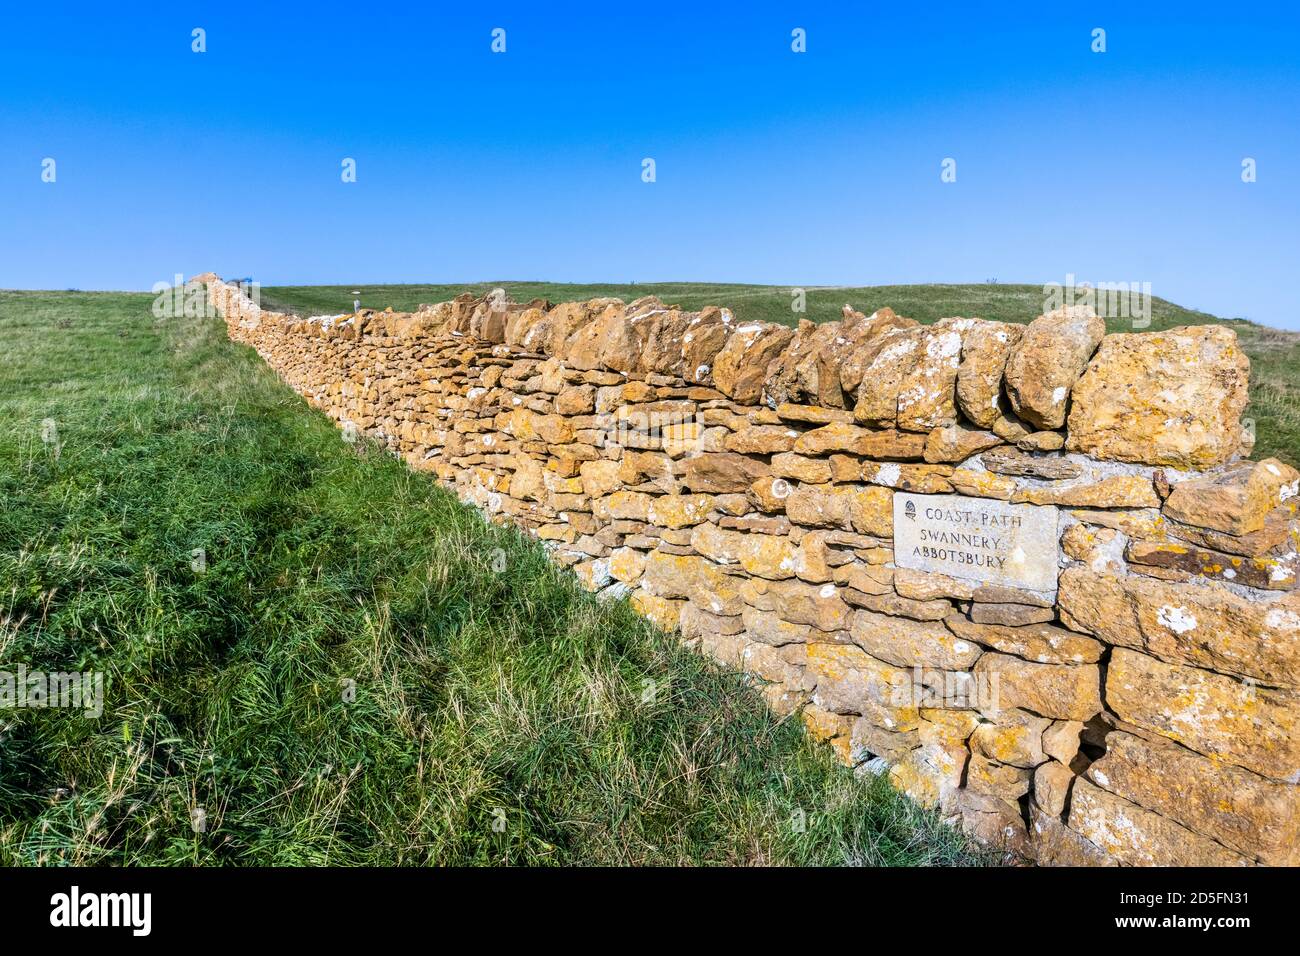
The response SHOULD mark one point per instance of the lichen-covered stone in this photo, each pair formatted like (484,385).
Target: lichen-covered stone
(1047,361)
(927,394)
(908,643)
(1041,643)
(1163,398)
(985,348)
(1235,501)
(1222,717)
(882,380)
(1187,623)
(1138,837)
(1052,690)
(1250,814)
(740,368)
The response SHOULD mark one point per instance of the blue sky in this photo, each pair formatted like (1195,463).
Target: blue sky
(820,168)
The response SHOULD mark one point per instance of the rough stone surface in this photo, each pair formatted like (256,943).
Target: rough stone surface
(1166,398)
(1047,361)
(1187,623)
(1254,727)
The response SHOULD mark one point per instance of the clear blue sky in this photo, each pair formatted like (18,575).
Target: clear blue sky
(802,169)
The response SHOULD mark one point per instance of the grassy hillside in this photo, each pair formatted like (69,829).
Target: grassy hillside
(1275,355)
(347,677)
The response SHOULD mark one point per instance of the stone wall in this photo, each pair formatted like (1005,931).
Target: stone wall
(1084,647)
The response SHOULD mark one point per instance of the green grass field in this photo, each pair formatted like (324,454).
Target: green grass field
(347,677)
(1274,412)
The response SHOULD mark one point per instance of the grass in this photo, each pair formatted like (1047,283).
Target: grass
(1274,412)
(348,679)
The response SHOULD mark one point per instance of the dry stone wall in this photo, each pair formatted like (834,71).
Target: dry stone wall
(1027,572)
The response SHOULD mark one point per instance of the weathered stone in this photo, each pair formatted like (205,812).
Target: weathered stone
(694,578)
(783,665)
(764,555)
(1253,815)
(817,507)
(637,466)
(762,439)
(808,370)
(957,442)
(984,352)
(1016,739)
(1280,529)
(930,774)
(1052,784)
(1254,727)
(836,436)
(1011,615)
(898,606)
(982,484)
(1055,844)
(526,425)
(993,821)
(576,400)
(626,564)
(907,643)
(927,396)
(770,493)
(1117,491)
(1099,548)
(1138,837)
(1061,740)
(928,585)
(812,558)
(946,727)
(812,414)
(1010,461)
(740,368)
(921,479)
(1051,690)
(870,739)
(1009,428)
(1237,500)
(1041,441)
(995,779)
(800,468)
(1001,594)
(1041,643)
(663,612)
(599,478)
(848,680)
(723,472)
(864,341)
(1047,361)
(1268,573)
(799,603)
(631,505)
(871,511)
(865,578)
(679,511)
(1187,623)
(825,727)
(881,381)
(1163,398)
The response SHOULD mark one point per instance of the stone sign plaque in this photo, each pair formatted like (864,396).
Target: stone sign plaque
(978,539)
